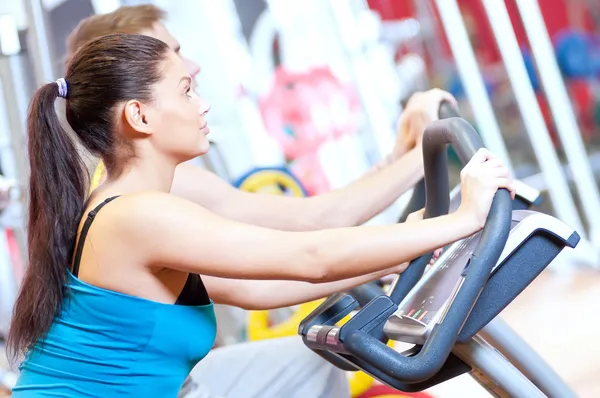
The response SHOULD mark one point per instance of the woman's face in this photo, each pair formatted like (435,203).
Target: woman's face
(177,115)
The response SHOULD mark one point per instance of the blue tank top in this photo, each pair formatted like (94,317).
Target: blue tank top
(109,344)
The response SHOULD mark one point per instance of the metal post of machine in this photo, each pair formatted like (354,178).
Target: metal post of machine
(14,99)
(525,358)
(558,189)
(493,372)
(472,79)
(38,43)
(562,112)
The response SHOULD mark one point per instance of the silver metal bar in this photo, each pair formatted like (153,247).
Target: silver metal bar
(558,190)
(14,99)
(493,372)
(562,112)
(38,43)
(538,182)
(471,78)
(525,359)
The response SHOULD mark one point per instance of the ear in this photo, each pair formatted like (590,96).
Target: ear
(135,115)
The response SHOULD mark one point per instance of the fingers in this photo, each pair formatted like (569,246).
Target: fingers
(415,216)
(485,164)
(419,213)
(442,95)
(482,155)
(495,168)
(488,173)
(436,255)
(508,184)
(430,100)
(403,267)
(438,95)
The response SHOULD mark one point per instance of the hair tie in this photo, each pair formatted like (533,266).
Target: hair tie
(62,87)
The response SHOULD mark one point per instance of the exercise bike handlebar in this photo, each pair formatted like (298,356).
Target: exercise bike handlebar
(365,293)
(446,110)
(429,360)
(362,348)
(435,201)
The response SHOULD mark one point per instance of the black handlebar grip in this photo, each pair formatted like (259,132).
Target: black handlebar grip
(417,199)
(447,110)
(409,278)
(414,272)
(438,346)
(365,293)
(368,350)
(465,141)
(438,135)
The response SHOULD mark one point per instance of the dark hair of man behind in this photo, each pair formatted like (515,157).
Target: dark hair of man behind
(107,71)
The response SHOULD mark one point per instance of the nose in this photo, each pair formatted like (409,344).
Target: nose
(204,107)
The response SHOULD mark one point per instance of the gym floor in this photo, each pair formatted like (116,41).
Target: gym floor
(556,316)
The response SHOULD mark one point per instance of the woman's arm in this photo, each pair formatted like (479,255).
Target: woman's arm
(169,232)
(269,294)
(348,206)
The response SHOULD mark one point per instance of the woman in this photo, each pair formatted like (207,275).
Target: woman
(112,302)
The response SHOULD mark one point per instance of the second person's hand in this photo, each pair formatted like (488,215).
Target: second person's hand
(421,109)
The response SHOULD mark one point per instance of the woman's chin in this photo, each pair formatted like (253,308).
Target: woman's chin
(203,147)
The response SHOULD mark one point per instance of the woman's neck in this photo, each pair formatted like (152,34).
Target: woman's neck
(142,175)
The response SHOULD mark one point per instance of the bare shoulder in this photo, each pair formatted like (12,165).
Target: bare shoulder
(148,225)
(149,209)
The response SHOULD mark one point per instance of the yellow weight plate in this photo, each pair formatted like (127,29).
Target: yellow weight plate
(276,181)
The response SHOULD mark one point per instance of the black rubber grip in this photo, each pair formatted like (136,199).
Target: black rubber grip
(430,359)
(447,110)
(431,189)
(417,199)
(465,141)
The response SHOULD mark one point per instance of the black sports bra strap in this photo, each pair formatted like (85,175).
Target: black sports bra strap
(84,231)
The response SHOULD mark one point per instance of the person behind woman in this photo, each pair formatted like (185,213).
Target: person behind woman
(112,303)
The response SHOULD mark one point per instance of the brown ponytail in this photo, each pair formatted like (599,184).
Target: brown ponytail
(56,195)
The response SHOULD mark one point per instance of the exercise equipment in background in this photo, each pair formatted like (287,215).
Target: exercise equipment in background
(271,180)
(578,57)
(577,53)
(315,118)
